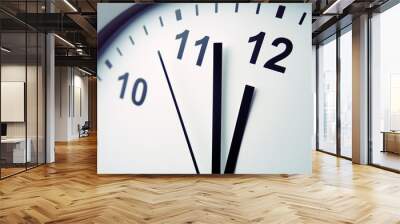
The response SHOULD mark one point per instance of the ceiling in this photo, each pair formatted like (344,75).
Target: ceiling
(76,21)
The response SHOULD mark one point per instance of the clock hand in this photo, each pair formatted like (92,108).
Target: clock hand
(240,127)
(216,117)
(179,114)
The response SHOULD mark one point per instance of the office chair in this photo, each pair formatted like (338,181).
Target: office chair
(84,130)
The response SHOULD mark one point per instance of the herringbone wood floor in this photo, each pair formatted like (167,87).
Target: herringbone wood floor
(70,191)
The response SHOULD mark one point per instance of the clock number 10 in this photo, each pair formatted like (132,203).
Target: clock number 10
(271,63)
(137,99)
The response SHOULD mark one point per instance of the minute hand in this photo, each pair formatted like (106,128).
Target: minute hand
(179,113)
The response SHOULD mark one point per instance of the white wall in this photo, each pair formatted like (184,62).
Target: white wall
(112,12)
(61,103)
(16,73)
(33,126)
(80,110)
(13,101)
(314,76)
(71,94)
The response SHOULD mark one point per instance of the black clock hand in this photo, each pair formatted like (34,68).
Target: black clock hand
(179,114)
(216,117)
(239,129)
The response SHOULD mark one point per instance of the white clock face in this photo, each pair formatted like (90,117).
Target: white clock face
(150,125)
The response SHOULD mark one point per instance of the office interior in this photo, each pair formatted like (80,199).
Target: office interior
(28,55)
(48,80)
(334,61)
(29,46)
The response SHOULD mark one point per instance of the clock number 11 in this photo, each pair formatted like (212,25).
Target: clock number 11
(203,42)
(140,81)
(271,63)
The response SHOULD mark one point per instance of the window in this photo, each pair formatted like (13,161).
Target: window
(327,96)
(385,89)
(346,93)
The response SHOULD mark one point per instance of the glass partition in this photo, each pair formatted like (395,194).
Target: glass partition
(385,89)
(22,101)
(346,93)
(14,153)
(31,100)
(327,96)
(41,97)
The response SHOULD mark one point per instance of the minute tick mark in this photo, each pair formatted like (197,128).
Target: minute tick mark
(258,8)
(119,52)
(132,41)
(280,12)
(108,64)
(145,30)
(178,14)
(302,18)
(161,21)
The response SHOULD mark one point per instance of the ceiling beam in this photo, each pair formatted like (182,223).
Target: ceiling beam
(81,61)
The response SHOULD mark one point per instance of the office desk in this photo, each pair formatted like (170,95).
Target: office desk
(391,142)
(13,150)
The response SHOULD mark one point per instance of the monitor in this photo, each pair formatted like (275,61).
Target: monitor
(3,129)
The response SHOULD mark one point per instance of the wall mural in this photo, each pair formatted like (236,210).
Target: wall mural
(205,88)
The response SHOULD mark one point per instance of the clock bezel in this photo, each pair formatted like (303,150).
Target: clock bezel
(113,28)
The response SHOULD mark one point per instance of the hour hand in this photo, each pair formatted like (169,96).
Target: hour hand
(240,127)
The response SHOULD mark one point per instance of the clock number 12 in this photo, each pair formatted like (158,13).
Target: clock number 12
(140,81)
(271,63)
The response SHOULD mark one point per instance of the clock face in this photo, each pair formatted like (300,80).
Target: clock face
(207,88)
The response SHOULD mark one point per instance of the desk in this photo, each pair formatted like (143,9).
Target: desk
(391,141)
(15,148)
